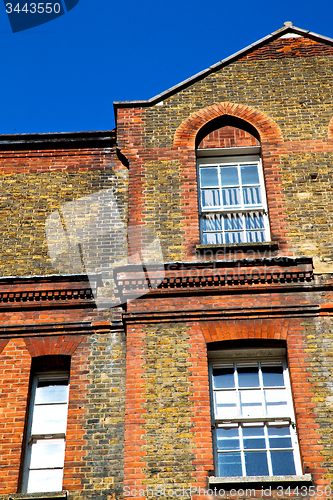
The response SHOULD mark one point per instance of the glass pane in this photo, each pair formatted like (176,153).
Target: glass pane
(279,437)
(233,222)
(276,402)
(45,480)
(249,174)
(212,238)
(227,439)
(234,237)
(212,222)
(231,197)
(225,404)
(51,392)
(49,419)
(223,378)
(229,176)
(252,196)
(254,438)
(256,463)
(255,236)
(47,453)
(272,376)
(254,220)
(248,376)
(209,177)
(283,463)
(210,198)
(251,405)
(230,464)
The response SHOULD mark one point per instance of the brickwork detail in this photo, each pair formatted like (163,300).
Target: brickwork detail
(330,130)
(228,137)
(162,444)
(15,373)
(284,48)
(36,184)
(56,345)
(187,131)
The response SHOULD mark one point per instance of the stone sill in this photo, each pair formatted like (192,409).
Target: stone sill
(260,245)
(53,495)
(273,481)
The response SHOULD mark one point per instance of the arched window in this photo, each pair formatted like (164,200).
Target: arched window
(47,422)
(232,198)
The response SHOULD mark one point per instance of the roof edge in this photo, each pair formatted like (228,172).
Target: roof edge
(198,76)
(58,140)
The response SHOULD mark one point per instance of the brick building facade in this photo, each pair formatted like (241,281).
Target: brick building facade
(177,275)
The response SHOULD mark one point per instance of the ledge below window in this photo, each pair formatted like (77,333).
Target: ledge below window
(260,245)
(53,495)
(274,481)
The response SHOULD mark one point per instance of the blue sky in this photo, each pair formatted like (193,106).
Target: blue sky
(63,76)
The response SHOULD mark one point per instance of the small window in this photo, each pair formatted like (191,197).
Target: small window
(233,206)
(45,450)
(253,419)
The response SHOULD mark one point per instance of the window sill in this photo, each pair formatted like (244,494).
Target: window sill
(273,481)
(52,495)
(262,245)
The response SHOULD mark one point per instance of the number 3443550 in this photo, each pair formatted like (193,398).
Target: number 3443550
(34,8)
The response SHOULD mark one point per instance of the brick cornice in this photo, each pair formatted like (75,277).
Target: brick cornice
(210,277)
(267,129)
(35,292)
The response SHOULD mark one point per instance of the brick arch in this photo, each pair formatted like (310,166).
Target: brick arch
(218,330)
(267,129)
(330,130)
(53,345)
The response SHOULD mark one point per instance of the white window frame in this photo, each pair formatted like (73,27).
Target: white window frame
(34,437)
(244,357)
(241,210)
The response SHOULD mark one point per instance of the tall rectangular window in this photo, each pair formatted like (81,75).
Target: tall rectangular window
(45,450)
(233,206)
(254,423)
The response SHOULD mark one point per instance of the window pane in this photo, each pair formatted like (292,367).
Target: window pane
(251,405)
(279,437)
(49,419)
(45,480)
(223,378)
(47,453)
(233,222)
(229,176)
(51,392)
(209,177)
(252,196)
(272,376)
(212,238)
(283,463)
(230,464)
(212,222)
(256,463)
(248,376)
(225,404)
(276,403)
(227,439)
(249,174)
(231,197)
(254,220)
(210,198)
(254,438)
(234,237)
(255,236)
